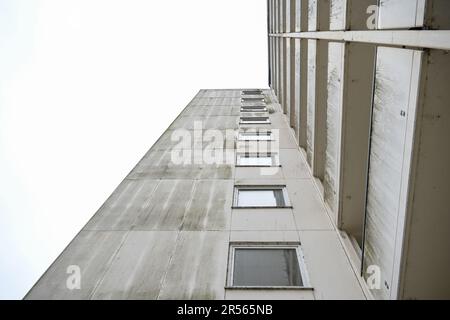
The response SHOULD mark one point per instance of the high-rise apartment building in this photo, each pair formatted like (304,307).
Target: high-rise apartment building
(331,184)
(365,86)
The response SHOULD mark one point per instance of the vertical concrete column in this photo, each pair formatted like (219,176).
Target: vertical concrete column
(292,62)
(318,19)
(287,59)
(274,47)
(280,51)
(336,53)
(301,67)
(276,50)
(320,108)
(359,69)
(270,30)
(269,46)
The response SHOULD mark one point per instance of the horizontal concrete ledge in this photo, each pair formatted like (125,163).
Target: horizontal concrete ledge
(433,39)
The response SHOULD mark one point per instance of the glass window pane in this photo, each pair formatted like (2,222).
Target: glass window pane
(254,119)
(261,198)
(255,161)
(254,137)
(257,198)
(266,267)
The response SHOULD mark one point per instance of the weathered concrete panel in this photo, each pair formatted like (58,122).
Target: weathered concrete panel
(92,252)
(139,267)
(210,206)
(202,112)
(219,93)
(198,268)
(328,266)
(166,208)
(174,140)
(120,211)
(308,209)
(266,236)
(215,101)
(185,164)
(392,93)
(396,14)
(259,173)
(213,122)
(293,165)
(263,219)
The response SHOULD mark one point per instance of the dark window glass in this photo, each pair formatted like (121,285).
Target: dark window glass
(266,267)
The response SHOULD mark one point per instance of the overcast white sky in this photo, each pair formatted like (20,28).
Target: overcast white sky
(86,87)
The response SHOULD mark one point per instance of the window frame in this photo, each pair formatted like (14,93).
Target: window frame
(255,108)
(267,133)
(251,92)
(250,122)
(273,155)
(283,188)
(262,246)
(253,99)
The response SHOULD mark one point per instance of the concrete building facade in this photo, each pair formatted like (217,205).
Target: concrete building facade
(365,86)
(169,230)
(331,184)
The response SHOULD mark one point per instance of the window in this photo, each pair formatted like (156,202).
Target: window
(261,197)
(255,108)
(259,99)
(252,92)
(257,160)
(255,120)
(266,265)
(255,135)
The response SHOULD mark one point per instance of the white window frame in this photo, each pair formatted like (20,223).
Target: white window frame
(248,104)
(262,246)
(253,99)
(255,108)
(274,156)
(287,202)
(249,121)
(252,92)
(264,133)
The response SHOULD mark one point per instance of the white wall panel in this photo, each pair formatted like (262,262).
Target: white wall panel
(334,124)
(387,159)
(312,15)
(338,9)
(311,99)
(397,14)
